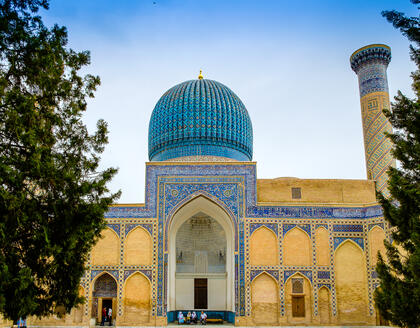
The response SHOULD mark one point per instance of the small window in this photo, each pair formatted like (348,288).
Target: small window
(297,285)
(296,193)
(298,306)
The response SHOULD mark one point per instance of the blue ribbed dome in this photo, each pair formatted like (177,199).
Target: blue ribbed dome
(200,118)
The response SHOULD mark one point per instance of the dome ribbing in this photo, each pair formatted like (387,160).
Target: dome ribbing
(200,118)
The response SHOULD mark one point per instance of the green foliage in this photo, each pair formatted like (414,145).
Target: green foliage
(398,298)
(52,194)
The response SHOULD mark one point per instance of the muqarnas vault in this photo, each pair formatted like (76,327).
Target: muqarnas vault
(249,251)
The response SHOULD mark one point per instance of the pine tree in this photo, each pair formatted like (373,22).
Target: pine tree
(52,194)
(398,298)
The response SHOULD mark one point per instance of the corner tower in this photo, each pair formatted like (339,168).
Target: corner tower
(370,64)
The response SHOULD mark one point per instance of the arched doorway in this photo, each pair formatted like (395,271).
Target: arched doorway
(201,258)
(104,295)
(200,275)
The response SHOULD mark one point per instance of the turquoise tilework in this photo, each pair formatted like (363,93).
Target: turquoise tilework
(200,117)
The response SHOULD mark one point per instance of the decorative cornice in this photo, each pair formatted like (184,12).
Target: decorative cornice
(374,53)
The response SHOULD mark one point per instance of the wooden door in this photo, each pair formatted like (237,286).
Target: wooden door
(298,306)
(200,293)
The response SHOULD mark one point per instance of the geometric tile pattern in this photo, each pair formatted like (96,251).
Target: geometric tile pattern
(304,227)
(255,226)
(147,273)
(348,228)
(339,240)
(200,117)
(129,227)
(370,64)
(255,273)
(289,273)
(115,227)
(323,275)
(379,224)
(377,145)
(95,273)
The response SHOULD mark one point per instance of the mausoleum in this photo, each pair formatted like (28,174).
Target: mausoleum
(212,236)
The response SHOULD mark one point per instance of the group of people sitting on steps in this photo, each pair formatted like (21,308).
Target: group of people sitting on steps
(192,318)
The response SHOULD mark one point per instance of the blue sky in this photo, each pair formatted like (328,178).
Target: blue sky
(287,60)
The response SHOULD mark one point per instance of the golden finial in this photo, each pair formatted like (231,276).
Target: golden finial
(200,76)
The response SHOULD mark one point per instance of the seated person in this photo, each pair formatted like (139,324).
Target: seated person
(193,317)
(188,317)
(21,323)
(180,317)
(203,318)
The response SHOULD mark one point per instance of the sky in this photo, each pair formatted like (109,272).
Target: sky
(288,61)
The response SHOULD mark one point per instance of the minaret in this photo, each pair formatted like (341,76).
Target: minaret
(370,64)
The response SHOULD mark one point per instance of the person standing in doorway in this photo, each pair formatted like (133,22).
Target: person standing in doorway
(103,316)
(110,316)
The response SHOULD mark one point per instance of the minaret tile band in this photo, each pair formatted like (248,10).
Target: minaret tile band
(370,64)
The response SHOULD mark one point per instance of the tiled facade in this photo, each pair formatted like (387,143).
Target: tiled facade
(233,187)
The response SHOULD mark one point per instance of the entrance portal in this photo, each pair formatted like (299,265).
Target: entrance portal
(200,264)
(201,248)
(104,295)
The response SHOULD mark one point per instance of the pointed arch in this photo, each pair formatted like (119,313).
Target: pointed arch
(201,204)
(107,249)
(264,300)
(297,247)
(104,285)
(322,246)
(102,274)
(295,226)
(133,273)
(299,275)
(190,202)
(324,305)
(263,247)
(304,295)
(325,287)
(351,241)
(138,247)
(350,283)
(265,272)
(136,299)
(376,238)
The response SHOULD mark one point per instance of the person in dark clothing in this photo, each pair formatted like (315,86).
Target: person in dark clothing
(103,316)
